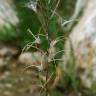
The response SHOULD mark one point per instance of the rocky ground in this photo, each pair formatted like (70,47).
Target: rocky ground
(14,81)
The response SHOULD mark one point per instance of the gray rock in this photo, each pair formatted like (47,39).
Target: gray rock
(82,41)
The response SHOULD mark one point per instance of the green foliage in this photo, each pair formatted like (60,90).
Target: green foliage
(44,25)
(29,20)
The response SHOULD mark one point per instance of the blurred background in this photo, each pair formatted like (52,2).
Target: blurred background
(73,22)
